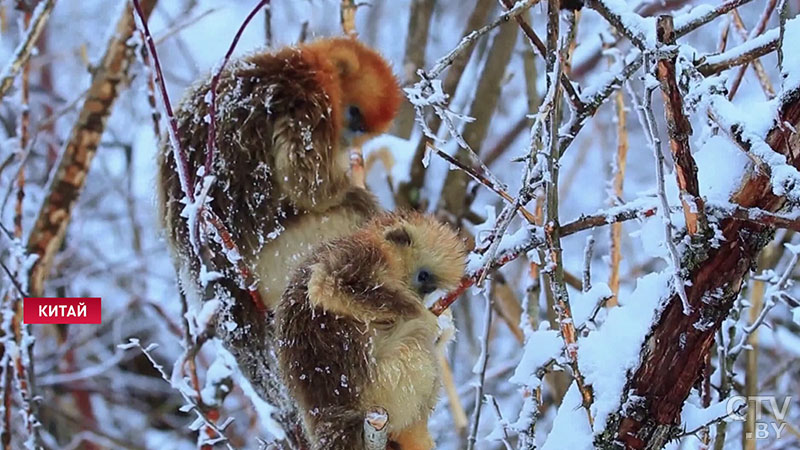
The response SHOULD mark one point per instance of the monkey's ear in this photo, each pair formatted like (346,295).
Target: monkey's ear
(346,62)
(398,236)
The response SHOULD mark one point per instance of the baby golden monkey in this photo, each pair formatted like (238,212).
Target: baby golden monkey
(283,122)
(354,333)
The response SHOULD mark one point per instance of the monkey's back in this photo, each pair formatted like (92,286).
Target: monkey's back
(275,165)
(325,361)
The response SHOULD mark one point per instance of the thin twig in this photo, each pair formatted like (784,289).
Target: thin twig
(499,417)
(536,240)
(554,264)
(482,179)
(211,143)
(25,48)
(467,41)
(192,404)
(616,21)
(68,178)
(630,64)
(759,28)
(588,250)
(566,83)
(480,370)
(620,164)
(181,162)
(761,72)
(644,110)
(771,296)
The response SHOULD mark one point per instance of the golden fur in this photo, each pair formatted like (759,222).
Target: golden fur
(281,162)
(354,333)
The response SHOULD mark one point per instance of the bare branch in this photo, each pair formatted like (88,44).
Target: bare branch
(679,130)
(615,19)
(762,23)
(69,177)
(644,110)
(480,370)
(741,54)
(23,51)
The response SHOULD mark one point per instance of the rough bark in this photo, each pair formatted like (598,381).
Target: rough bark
(674,353)
(679,130)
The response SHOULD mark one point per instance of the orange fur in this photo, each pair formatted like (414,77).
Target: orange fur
(364,79)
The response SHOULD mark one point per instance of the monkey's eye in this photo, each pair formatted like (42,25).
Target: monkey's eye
(424,282)
(355,120)
(423,276)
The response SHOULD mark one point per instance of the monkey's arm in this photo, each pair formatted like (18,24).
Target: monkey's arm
(350,279)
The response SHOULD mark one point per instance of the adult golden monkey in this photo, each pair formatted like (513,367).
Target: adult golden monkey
(284,121)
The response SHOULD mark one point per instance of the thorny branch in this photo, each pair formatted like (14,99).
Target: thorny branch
(481,178)
(192,404)
(774,292)
(566,83)
(205,218)
(644,110)
(594,97)
(535,240)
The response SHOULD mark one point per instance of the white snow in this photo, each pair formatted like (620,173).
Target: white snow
(791,57)
(623,331)
(540,347)
(720,168)
(571,429)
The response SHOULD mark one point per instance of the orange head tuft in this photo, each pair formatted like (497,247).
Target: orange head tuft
(369,95)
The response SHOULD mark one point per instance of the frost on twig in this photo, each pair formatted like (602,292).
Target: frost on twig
(775,292)
(25,48)
(741,54)
(557,52)
(531,238)
(637,29)
(644,111)
(479,369)
(192,402)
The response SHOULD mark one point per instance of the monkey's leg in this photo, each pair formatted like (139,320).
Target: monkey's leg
(338,428)
(415,437)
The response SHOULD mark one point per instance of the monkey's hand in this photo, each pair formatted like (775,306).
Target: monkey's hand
(447,332)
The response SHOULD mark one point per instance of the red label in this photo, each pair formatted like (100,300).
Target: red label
(61,310)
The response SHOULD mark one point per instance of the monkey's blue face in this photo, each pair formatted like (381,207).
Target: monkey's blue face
(354,125)
(424,281)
